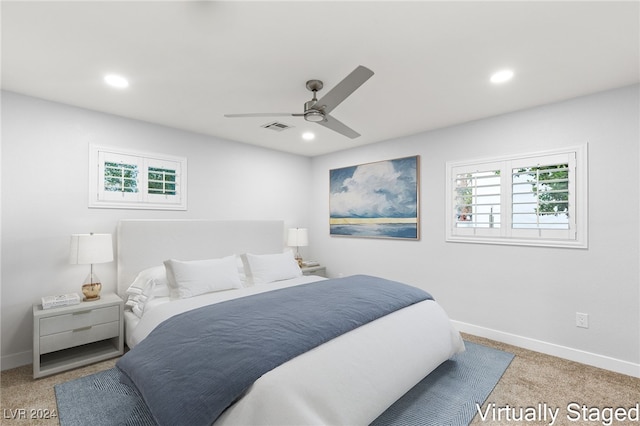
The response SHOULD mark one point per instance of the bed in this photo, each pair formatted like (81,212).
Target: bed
(344,377)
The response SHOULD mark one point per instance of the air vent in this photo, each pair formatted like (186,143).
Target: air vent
(277,126)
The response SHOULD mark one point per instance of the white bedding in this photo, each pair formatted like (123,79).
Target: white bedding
(349,380)
(160,309)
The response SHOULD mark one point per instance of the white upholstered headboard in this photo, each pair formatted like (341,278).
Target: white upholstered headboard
(146,243)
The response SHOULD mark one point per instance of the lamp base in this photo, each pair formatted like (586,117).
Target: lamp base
(91,291)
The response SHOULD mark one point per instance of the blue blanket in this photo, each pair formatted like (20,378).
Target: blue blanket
(196,364)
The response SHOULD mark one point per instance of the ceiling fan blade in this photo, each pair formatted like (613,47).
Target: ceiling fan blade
(342,90)
(338,126)
(262,114)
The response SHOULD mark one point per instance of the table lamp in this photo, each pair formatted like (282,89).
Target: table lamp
(89,249)
(298,237)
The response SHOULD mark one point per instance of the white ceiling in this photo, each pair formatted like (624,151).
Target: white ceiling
(189,63)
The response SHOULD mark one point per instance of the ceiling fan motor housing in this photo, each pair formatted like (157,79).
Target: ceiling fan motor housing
(311,114)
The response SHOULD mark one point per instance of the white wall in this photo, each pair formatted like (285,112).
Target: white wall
(523,295)
(45,152)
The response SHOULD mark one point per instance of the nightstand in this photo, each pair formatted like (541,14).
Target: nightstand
(320,271)
(72,336)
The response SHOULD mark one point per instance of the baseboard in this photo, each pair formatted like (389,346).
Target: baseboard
(7,362)
(577,355)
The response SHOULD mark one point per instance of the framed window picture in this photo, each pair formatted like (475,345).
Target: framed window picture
(377,200)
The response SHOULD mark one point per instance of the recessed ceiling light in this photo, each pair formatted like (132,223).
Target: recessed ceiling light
(308,136)
(502,76)
(116,81)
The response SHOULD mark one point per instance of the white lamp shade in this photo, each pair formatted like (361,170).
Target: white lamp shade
(298,237)
(90,248)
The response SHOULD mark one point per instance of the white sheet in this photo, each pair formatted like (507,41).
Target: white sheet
(350,380)
(131,321)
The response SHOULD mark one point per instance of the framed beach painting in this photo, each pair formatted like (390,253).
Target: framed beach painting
(378,200)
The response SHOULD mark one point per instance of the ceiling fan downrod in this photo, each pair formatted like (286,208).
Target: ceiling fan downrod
(311,114)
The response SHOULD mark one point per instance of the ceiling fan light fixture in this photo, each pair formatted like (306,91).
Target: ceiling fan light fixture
(314,116)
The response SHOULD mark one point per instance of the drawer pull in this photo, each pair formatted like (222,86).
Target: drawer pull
(82,312)
(82,329)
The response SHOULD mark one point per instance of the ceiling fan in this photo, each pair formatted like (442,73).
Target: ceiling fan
(317,110)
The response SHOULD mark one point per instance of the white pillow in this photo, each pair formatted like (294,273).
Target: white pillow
(241,273)
(267,268)
(191,278)
(149,283)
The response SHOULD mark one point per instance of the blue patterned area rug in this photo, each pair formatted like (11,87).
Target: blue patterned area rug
(448,396)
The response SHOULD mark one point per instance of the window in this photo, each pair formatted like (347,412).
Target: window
(120,179)
(477,198)
(533,199)
(162,181)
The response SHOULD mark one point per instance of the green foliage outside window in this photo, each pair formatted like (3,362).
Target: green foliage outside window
(550,184)
(120,177)
(162,181)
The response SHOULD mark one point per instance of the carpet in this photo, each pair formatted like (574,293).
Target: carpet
(448,396)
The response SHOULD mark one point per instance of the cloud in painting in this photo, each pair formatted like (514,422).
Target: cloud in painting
(381,189)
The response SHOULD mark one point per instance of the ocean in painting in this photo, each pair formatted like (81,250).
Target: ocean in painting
(379,230)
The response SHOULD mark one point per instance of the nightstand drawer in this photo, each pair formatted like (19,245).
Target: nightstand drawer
(79,336)
(78,319)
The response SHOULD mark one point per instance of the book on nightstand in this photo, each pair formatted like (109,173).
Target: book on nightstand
(49,302)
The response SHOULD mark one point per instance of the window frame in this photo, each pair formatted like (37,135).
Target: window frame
(99,197)
(576,236)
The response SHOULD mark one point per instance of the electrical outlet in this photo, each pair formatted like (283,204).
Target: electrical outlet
(582,320)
